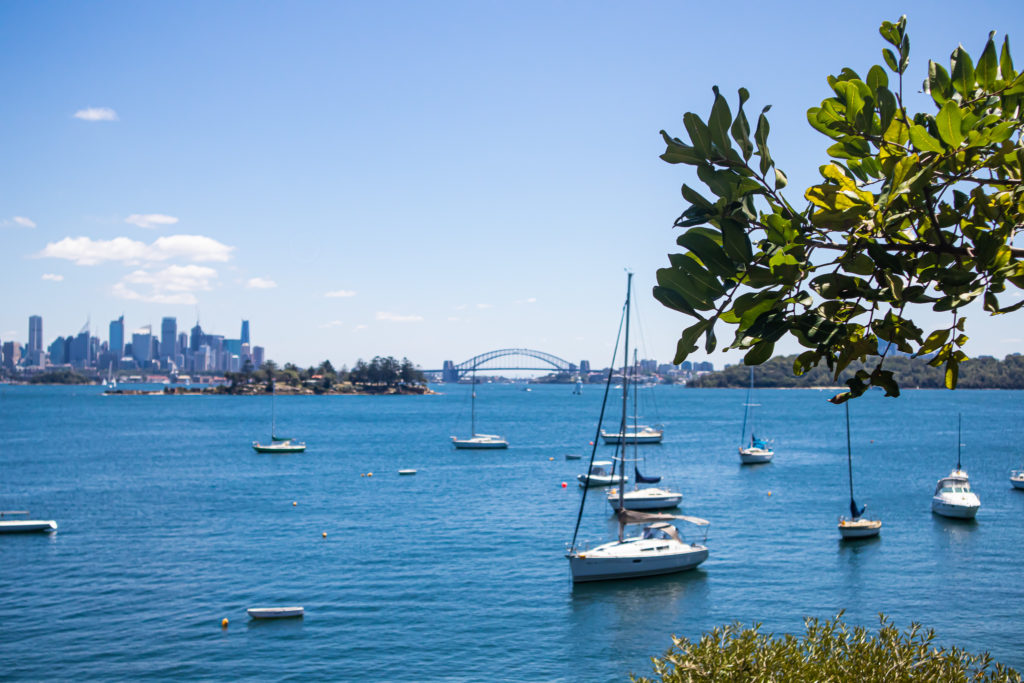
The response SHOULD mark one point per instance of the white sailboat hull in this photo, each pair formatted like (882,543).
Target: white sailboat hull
(859,528)
(586,480)
(275,612)
(1017,479)
(646,499)
(641,437)
(754,456)
(480,441)
(20,526)
(634,558)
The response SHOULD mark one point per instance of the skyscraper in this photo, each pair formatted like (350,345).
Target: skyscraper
(142,345)
(117,336)
(197,337)
(168,338)
(245,332)
(35,333)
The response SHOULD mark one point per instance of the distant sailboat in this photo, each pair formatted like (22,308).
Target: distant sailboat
(278,444)
(857,526)
(478,441)
(757,451)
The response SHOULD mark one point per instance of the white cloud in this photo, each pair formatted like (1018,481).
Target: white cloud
(454,318)
(17,222)
(333,323)
(53,277)
(150,220)
(357,327)
(260,283)
(339,293)
(393,318)
(531,300)
(85,251)
(482,306)
(96,114)
(172,285)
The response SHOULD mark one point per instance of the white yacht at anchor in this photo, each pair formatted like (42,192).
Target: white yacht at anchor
(953,495)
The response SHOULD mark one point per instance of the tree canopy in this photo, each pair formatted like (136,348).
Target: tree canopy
(913,210)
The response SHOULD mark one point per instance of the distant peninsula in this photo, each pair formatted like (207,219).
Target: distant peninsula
(984,372)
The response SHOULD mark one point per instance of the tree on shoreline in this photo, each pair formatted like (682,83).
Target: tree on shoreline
(914,209)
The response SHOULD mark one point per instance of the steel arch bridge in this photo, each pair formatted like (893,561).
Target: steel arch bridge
(528,359)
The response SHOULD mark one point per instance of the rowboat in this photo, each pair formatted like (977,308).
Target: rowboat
(275,612)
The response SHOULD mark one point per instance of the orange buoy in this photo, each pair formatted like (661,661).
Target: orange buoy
(324,534)
(369,474)
(294,503)
(769,494)
(224,622)
(550,458)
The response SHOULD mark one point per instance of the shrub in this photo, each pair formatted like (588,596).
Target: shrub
(828,651)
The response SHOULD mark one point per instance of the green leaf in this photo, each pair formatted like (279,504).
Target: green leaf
(891,34)
(952,372)
(988,65)
(1006,62)
(939,84)
(780,180)
(670,299)
(678,153)
(736,242)
(759,353)
(741,128)
(963,72)
(719,121)
(688,341)
(948,121)
(699,135)
(887,107)
(805,361)
(923,141)
(761,138)
(877,78)
(890,59)
(708,251)
(933,342)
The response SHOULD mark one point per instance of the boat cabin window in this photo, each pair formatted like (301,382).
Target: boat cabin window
(953,486)
(656,533)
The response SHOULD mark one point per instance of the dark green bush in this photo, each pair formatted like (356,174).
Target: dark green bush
(828,651)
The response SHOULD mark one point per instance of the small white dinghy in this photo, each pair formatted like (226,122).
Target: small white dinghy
(406,473)
(275,612)
(20,526)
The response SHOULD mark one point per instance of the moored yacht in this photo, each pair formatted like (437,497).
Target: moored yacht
(602,473)
(1017,479)
(634,434)
(651,498)
(953,495)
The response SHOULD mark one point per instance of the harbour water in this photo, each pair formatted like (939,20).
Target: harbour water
(169,522)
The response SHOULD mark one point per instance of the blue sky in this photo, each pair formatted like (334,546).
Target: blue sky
(430,180)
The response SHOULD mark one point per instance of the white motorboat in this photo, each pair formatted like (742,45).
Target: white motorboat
(478,441)
(20,526)
(1017,479)
(651,498)
(953,496)
(758,451)
(634,434)
(659,549)
(275,612)
(602,473)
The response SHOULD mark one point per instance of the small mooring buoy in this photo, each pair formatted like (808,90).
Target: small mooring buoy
(224,623)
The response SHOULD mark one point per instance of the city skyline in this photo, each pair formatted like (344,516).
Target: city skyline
(441,182)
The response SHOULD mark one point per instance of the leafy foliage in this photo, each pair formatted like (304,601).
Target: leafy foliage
(828,651)
(912,210)
(975,373)
(60,376)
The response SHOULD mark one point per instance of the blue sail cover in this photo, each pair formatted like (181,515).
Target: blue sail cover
(758,443)
(641,479)
(854,511)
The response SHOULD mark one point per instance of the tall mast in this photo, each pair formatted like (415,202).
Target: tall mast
(958,417)
(849,455)
(625,395)
(746,408)
(273,408)
(472,406)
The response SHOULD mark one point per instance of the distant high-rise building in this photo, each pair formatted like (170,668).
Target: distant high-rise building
(11,354)
(142,345)
(57,351)
(117,336)
(245,332)
(35,333)
(182,342)
(197,338)
(257,356)
(168,338)
(80,354)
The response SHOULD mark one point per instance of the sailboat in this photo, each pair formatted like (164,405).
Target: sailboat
(659,548)
(649,498)
(857,526)
(953,496)
(478,441)
(278,444)
(1017,478)
(757,451)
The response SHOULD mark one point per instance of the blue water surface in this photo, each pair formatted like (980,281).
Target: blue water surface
(169,523)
